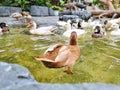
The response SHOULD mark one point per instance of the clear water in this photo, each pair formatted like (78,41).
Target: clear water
(99,60)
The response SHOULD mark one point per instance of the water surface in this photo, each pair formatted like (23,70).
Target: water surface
(99,60)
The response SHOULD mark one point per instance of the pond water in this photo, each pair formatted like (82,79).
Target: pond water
(99,60)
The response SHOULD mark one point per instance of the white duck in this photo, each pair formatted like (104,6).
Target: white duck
(61,23)
(67,33)
(16,15)
(1,33)
(3,28)
(46,30)
(116,31)
(99,32)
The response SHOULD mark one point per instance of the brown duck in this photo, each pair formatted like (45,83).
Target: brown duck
(61,55)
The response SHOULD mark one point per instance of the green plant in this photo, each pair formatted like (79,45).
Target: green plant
(98,3)
(62,2)
(56,8)
(6,3)
(24,4)
(41,2)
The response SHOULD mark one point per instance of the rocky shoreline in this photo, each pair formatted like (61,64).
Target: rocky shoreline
(16,77)
(41,21)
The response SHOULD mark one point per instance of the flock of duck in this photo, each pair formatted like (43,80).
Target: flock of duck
(60,55)
(99,27)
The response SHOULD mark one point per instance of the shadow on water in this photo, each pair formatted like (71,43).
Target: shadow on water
(99,60)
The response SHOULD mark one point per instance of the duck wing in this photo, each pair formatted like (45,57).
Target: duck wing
(51,53)
(59,54)
(45,30)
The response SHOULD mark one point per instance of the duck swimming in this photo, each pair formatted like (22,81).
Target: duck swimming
(70,29)
(3,28)
(116,32)
(98,33)
(61,55)
(45,30)
(16,15)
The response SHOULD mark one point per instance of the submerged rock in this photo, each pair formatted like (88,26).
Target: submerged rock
(16,77)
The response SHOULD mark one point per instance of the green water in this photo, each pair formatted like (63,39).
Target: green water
(99,60)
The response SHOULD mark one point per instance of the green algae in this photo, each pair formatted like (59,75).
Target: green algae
(99,60)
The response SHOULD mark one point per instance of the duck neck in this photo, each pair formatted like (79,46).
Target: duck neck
(69,26)
(73,41)
(34,26)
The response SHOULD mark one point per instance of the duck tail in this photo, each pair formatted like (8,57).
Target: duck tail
(39,58)
(53,29)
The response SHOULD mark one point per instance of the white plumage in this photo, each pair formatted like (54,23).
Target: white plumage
(46,30)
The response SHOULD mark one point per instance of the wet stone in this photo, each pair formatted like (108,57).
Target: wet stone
(39,11)
(16,77)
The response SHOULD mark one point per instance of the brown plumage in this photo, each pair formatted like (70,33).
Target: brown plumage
(28,19)
(61,55)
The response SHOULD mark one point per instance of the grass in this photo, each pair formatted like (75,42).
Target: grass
(99,60)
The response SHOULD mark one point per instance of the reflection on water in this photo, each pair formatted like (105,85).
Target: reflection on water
(99,60)
(2,50)
(115,58)
(16,50)
(9,44)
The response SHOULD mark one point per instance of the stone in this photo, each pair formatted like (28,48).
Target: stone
(15,9)
(67,17)
(7,11)
(39,11)
(13,75)
(83,14)
(51,12)
(11,22)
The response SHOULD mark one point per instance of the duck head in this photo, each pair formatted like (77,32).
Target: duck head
(105,22)
(73,38)
(27,16)
(113,26)
(4,27)
(97,29)
(24,13)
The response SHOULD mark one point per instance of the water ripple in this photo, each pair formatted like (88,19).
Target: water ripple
(2,51)
(16,50)
(41,38)
(39,47)
(9,44)
(115,58)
